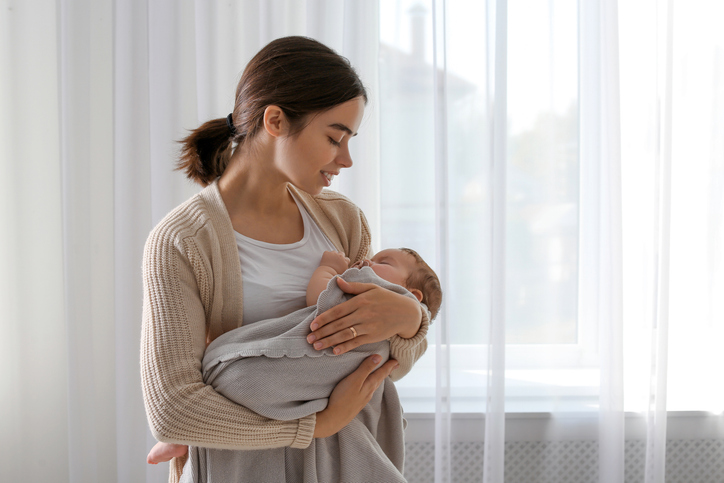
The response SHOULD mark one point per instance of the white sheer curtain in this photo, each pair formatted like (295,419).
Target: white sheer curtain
(574,151)
(559,163)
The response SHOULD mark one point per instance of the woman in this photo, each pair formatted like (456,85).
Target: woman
(243,249)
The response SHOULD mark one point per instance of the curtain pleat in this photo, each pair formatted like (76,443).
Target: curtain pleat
(600,282)
(443,396)
(656,420)
(34,427)
(494,444)
(132,222)
(86,159)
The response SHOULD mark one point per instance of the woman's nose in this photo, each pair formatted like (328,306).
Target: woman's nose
(344,159)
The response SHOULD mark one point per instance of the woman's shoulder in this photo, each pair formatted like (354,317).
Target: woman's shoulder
(335,207)
(330,202)
(194,217)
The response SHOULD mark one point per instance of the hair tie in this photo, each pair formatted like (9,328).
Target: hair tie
(230,124)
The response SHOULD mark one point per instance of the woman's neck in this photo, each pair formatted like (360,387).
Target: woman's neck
(258,201)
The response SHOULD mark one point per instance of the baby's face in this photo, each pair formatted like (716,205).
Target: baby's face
(392,265)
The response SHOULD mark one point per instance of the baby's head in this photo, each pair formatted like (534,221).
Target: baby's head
(405,267)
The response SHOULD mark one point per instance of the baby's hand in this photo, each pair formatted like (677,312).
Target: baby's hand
(335,260)
(361,263)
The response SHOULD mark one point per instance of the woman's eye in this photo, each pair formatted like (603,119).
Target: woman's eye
(333,142)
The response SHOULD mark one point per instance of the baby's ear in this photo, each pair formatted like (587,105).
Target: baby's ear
(417,294)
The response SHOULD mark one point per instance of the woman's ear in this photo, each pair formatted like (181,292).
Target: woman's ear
(275,122)
(417,294)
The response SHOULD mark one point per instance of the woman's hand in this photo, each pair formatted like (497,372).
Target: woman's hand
(352,394)
(375,314)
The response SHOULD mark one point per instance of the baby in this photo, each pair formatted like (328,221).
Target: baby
(401,266)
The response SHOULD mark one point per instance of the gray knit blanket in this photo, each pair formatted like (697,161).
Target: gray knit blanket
(270,368)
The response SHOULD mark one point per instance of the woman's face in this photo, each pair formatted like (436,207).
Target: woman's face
(313,157)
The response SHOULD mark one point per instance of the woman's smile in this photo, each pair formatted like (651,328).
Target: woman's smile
(312,158)
(329,176)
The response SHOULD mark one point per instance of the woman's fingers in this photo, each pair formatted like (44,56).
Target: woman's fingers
(375,378)
(335,313)
(320,331)
(375,312)
(337,333)
(345,308)
(365,380)
(344,347)
(332,327)
(343,341)
(367,367)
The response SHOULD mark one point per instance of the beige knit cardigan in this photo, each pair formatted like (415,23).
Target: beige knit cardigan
(193,293)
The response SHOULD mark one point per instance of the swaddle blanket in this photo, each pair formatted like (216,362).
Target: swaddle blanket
(270,368)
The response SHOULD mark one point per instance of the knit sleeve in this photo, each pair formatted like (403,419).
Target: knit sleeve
(407,351)
(179,406)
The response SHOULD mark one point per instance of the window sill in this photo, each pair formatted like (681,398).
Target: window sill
(470,427)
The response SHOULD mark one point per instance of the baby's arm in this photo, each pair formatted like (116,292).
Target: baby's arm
(332,263)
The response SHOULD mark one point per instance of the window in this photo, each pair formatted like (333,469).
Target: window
(546,343)
(552,256)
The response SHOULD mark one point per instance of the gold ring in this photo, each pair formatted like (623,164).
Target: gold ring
(354,332)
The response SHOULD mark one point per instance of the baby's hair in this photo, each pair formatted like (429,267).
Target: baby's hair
(424,279)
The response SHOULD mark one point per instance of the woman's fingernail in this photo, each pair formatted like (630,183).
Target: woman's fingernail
(318,345)
(376,359)
(337,350)
(311,338)
(314,325)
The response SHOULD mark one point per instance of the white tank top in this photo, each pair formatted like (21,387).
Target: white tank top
(275,277)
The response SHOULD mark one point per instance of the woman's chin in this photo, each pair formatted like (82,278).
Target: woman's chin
(310,190)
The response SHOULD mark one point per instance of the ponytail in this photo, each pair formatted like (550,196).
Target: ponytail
(205,152)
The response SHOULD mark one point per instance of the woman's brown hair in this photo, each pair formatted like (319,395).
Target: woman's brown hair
(298,74)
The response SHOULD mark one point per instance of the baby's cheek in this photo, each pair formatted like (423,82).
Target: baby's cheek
(380,271)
